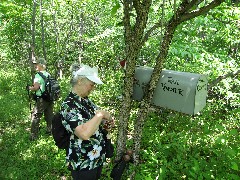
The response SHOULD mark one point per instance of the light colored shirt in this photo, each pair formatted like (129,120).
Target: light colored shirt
(38,79)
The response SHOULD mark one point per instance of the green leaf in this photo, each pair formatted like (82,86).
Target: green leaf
(234,166)
(196,166)
(234,132)
(221,140)
(231,152)
(114,9)
(218,126)
(193,174)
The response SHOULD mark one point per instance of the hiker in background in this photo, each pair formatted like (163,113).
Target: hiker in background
(85,122)
(41,106)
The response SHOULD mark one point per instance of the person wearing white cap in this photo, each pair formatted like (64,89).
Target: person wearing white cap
(82,118)
(41,106)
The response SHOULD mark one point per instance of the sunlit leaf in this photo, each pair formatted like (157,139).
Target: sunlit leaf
(115,8)
(234,132)
(234,166)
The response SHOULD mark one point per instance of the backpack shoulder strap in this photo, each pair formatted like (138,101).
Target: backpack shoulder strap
(41,74)
(44,78)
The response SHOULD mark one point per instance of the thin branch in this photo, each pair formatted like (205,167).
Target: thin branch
(149,32)
(188,5)
(183,8)
(220,78)
(201,11)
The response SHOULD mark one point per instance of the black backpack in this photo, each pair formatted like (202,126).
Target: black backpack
(60,135)
(52,88)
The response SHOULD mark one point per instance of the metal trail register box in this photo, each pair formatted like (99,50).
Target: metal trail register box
(180,91)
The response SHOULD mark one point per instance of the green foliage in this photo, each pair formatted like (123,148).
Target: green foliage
(174,146)
(21,158)
(205,45)
(181,147)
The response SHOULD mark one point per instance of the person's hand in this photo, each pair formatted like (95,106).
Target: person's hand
(31,88)
(103,114)
(28,87)
(109,124)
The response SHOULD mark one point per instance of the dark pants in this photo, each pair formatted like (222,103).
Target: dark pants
(41,107)
(93,174)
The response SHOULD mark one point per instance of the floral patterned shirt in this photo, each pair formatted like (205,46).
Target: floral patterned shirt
(82,154)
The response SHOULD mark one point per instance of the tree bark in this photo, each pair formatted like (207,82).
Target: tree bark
(145,104)
(58,62)
(33,41)
(43,32)
(133,40)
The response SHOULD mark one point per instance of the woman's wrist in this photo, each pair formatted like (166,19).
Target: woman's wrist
(99,115)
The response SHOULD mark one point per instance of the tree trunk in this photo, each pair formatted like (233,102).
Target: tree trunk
(180,15)
(81,33)
(59,62)
(33,42)
(145,104)
(43,32)
(133,40)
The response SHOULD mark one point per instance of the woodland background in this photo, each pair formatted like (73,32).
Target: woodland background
(173,145)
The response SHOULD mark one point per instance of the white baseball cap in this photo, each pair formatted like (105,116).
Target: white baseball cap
(89,72)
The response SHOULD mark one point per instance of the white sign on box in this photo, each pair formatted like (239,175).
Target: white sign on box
(180,91)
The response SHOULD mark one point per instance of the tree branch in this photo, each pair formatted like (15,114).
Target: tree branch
(220,78)
(190,5)
(184,7)
(149,32)
(201,11)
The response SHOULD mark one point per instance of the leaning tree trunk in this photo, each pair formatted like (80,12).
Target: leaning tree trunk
(81,33)
(181,15)
(145,103)
(134,41)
